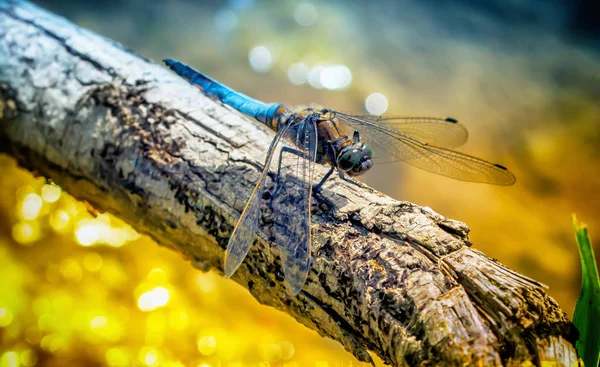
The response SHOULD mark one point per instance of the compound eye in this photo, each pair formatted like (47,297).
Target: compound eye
(367,151)
(349,159)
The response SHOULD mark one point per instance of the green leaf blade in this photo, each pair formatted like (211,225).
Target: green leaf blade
(586,316)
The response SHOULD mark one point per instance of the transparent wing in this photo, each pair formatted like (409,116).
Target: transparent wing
(431,158)
(444,132)
(291,199)
(247,226)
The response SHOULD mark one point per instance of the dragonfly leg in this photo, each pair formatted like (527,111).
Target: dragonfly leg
(289,150)
(354,182)
(318,186)
(330,151)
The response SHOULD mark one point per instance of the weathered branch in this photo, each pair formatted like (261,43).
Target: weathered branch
(391,277)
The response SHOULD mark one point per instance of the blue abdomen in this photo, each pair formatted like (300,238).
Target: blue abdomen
(261,111)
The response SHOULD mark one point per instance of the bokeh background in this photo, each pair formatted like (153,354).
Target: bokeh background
(523,76)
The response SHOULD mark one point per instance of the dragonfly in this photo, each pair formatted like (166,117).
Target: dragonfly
(309,137)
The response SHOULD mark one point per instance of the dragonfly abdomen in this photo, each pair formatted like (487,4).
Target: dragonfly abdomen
(261,111)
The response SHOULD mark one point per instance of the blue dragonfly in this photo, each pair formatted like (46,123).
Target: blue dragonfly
(309,137)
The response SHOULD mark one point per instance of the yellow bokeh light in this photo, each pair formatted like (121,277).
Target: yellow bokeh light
(92,262)
(207,345)
(9,359)
(271,352)
(204,365)
(31,206)
(287,350)
(117,357)
(33,335)
(53,343)
(59,220)
(40,306)
(149,357)
(157,276)
(47,322)
(154,298)
(6,317)
(51,193)
(28,358)
(71,270)
(206,282)
(98,322)
(100,230)
(25,232)
(87,232)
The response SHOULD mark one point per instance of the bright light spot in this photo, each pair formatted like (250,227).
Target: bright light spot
(92,262)
(151,357)
(298,73)
(376,104)
(9,359)
(96,231)
(87,232)
(305,14)
(335,77)
(206,282)
(225,20)
(25,233)
(6,317)
(207,345)
(117,357)
(271,352)
(314,77)
(287,350)
(153,299)
(29,358)
(50,193)
(98,322)
(260,59)
(32,204)
(204,365)
(59,220)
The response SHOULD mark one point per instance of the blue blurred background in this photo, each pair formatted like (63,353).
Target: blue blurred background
(524,77)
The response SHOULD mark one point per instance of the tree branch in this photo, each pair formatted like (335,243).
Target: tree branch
(388,276)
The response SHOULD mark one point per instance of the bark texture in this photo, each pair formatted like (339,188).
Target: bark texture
(389,276)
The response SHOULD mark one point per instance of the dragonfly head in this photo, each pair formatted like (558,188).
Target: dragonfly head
(355,159)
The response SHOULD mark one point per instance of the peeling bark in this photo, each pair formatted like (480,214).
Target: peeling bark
(389,276)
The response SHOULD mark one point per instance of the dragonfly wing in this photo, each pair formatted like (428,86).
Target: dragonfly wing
(444,132)
(291,202)
(431,158)
(247,226)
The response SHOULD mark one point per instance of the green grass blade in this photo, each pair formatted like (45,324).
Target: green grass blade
(587,310)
